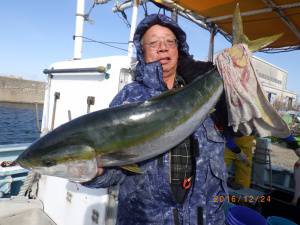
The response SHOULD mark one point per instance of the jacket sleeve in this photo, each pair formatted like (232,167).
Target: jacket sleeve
(220,117)
(111,176)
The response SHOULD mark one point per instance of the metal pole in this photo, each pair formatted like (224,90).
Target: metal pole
(46,109)
(56,97)
(283,17)
(122,6)
(211,44)
(99,69)
(174,15)
(38,127)
(256,12)
(79,29)
(133,27)
(69,115)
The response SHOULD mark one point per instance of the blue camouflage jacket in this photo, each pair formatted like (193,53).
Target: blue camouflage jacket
(146,199)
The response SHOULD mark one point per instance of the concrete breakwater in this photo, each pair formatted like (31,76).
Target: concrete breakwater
(17,90)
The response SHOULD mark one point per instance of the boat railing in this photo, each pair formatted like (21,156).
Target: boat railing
(12,148)
(11,176)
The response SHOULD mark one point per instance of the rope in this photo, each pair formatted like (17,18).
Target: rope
(26,189)
(107,43)
(124,18)
(86,16)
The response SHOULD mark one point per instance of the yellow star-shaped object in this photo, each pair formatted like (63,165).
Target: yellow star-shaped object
(239,36)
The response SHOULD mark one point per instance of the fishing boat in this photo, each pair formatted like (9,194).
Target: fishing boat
(80,86)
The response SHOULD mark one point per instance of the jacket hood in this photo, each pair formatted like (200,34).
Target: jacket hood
(150,74)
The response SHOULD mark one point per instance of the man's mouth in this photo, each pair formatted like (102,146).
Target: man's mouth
(164,60)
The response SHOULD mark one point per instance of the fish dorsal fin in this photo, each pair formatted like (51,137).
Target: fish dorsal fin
(134,168)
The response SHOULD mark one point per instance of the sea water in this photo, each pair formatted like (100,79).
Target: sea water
(18,123)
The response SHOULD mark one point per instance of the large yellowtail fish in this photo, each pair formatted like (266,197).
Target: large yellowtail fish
(123,135)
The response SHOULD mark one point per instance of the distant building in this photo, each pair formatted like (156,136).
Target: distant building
(274,81)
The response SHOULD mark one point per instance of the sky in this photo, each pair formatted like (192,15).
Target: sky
(34,34)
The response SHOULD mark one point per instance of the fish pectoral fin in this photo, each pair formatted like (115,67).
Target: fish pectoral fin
(132,168)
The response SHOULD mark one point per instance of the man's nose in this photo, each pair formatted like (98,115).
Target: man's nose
(163,46)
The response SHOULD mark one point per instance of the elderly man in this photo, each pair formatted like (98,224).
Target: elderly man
(185,185)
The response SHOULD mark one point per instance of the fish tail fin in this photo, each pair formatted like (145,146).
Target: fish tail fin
(260,43)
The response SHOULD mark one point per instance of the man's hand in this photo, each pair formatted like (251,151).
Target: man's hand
(100,171)
(291,142)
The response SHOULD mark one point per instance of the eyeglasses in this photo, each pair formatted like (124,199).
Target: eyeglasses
(155,44)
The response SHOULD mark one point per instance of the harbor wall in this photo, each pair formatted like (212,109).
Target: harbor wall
(17,90)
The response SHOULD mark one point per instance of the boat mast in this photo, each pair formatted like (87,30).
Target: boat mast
(133,27)
(210,56)
(79,30)
(174,15)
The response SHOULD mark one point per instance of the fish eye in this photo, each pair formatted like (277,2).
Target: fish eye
(49,163)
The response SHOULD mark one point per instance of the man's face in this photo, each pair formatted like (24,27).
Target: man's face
(160,44)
